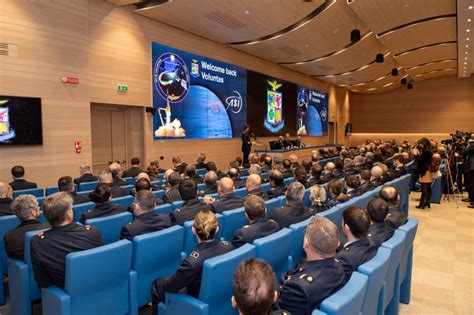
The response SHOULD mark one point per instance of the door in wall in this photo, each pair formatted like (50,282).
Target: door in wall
(117,135)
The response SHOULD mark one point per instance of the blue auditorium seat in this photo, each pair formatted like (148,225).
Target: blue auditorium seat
(201,186)
(40,200)
(306,199)
(159,194)
(216,287)
(88,186)
(391,290)
(334,214)
(348,300)
(406,262)
(288,181)
(155,255)
(128,188)
(85,193)
(244,172)
(51,190)
(233,220)
(129,180)
(156,183)
(201,171)
(297,252)
(110,226)
(376,269)
(189,240)
(164,209)
(177,204)
(21,280)
(7,223)
(275,250)
(124,201)
(266,187)
(78,210)
(98,281)
(37,192)
(241,192)
(271,204)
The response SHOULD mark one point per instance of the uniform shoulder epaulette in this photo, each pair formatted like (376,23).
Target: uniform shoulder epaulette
(178,210)
(87,227)
(347,248)
(225,243)
(246,226)
(194,254)
(307,277)
(40,235)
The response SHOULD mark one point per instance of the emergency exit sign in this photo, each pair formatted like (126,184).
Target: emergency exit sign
(122,87)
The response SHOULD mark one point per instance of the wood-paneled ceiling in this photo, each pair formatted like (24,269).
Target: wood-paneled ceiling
(421,38)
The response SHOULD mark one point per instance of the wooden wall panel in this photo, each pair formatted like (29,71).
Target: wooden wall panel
(432,107)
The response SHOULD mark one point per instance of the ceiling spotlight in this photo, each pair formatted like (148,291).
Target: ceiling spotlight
(466,52)
(465,62)
(410,86)
(403,81)
(469,20)
(468,30)
(467,38)
(467,46)
(394,72)
(355,33)
(465,58)
(379,58)
(470,7)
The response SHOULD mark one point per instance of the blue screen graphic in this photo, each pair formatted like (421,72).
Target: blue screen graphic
(196,97)
(312,112)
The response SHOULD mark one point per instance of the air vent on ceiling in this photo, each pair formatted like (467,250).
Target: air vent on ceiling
(9,50)
(290,51)
(224,20)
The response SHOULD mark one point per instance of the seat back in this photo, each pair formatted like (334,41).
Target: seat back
(200,186)
(410,229)
(177,204)
(164,209)
(51,190)
(7,223)
(348,300)
(271,204)
(233,220)
(217,279)
(110,226)
(97,279)
(297,252)
(78,210)
(124,201)
(334,214)
(306,200)
(266,187)
(159,194)
(189,240)
(37,192)
(376,269)
(275,250)
(201,171)
(130,180)
(155,255)
(241,192)
(128,188)
(88,186)
(35,292)
(395,244)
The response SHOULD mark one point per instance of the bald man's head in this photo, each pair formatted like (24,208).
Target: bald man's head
(105,177)
(389,194)
(329,167)
(115,169)
(253,181)
(376,172)
(142,175)
(226,186)
(5,190)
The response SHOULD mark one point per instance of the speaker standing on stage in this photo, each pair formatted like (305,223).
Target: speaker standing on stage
(246,145)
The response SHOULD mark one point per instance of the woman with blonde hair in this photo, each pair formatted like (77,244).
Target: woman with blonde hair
(188,276)
(318,198)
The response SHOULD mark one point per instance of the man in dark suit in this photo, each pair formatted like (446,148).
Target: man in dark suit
(320,276)
(86,175)
(287,172)
(105,177)
(246,145)
(66,184)
(227,199)
(315,178)
(210,184)
(27,210)
(376,177)
(395,217)
(200,164)
(146,220)
(50,248)
(399,167)
(259,226)
(253,185)
(179,166)
(134,170)
(338,168)
(102,197)
(19,183)
(358,249)
(6,198)
(211,166)
(351,183)
(377,210)
(277,181)
(172,191)
(190,172)
(294,211)
(191,205)
(116,171)
(328,172)
(364,181)
(235,176)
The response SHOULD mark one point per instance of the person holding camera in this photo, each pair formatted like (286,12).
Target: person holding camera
(468,154)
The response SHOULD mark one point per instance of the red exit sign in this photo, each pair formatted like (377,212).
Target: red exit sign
(70,80)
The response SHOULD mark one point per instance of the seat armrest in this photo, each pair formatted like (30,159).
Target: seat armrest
(56,301)
(133,293)
(179,303)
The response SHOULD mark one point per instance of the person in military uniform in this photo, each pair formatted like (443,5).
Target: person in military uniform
(399,167)
(377,210)
(294,211)
(50,248)
(66,184)
(278,189)
(146,220)
(188,276)
(255,288)
(27,210)
(234,174)
(6,199)
(320,276)
(210,184)
(102,197)
(351,183)
(172,191)
(227,199)
(191,205)
(358,249)
(259,226)
(105,177)
(253,185)
(395,217)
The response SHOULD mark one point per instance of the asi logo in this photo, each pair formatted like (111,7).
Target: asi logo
(195,68)
(324,114)
(234,102)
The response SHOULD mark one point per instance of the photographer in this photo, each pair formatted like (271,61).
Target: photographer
(468,155)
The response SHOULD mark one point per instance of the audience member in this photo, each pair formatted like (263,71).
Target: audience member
(210,184)
(211,166)
(227,199)
(317,198)
(315,178)
(320,276)
(338,168)
(351,183)
(154,169)
(425,178)
(134,170)
(395,217)
(105,177)
(357,250)
(116,170)
(277,181)
(102,198)
(287,172)
(300,176)
(253,185)
(235,176)
(172,191)
(376,177)
(19,183)
(50,248)
(190,172)
(328,172)
(66,184)
(86,175)
(399,167)
(188,276)
(377,210)
(6,198)
(294,211)
(200,161)
(336,192)
(191,205)
(27,210)
(259,226)
(364,181)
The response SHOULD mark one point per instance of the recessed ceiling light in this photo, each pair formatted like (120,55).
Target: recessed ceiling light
(467,46)
(469,20)
(468,30)
(247,12)
(467,38)
(465,58)
(465,63)
(466,52)
(470,7)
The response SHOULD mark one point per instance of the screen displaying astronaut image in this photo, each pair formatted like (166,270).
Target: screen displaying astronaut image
(312,112)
